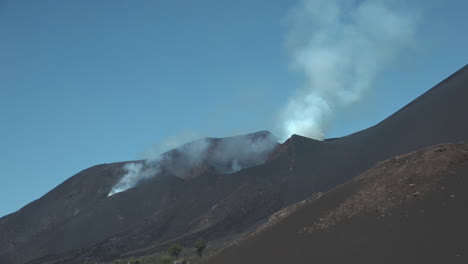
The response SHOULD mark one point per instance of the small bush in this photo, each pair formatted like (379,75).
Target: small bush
(166,259)
(135,261)
(200,245)
(175,250)
(151,260)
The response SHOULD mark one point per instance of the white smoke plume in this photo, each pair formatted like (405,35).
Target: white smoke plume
(340,46)
(135,173)
(227,155)
(233,154)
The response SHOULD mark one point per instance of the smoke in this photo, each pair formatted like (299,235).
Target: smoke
(135,173)
(227,155)
(171,142)
(236,153)
(183,160)
(340,46)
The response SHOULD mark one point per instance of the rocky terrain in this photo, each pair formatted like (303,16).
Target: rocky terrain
(408,209)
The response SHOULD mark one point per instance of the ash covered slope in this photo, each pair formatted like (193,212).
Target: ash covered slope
(408,209)
(169,207)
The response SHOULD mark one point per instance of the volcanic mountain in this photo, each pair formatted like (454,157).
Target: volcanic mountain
(219,199)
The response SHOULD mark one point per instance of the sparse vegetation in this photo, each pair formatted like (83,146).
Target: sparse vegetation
(166,259)
(151,260)
(200,245)
(122,261)
(175,250)
(133,260)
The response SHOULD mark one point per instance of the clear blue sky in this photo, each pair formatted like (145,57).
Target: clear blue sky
(90,82)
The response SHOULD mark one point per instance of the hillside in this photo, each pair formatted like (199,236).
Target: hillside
(77,220)
(408,209)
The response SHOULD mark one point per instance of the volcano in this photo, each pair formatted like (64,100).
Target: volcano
(220,201)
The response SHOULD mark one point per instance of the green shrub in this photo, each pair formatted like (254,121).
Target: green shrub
(175,250)
(166,259)
(200,245)
(151,260)
(133,260)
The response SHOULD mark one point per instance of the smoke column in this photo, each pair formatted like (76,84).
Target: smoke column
(135,172)
(227,155)
(340,46)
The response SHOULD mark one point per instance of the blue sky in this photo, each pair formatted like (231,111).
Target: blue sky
(90,82)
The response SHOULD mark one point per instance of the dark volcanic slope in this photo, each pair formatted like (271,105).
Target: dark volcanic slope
(78,214)
(409,209)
